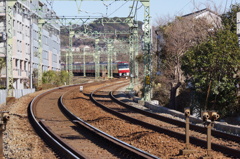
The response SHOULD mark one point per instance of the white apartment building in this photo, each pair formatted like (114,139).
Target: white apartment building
(29,51)
(211,17)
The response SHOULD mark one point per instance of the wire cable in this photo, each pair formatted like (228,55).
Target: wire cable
(79,7)
(117,9)
(131,9)
(184,6)
(136,9)
(107,5)
(225,7)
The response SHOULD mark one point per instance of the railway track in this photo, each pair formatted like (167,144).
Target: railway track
(81,116)
(74,138)
(154,143)
(227,144)
(129,104)
(42,110)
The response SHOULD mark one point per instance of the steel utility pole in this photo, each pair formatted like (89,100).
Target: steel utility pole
(9,60)
(147,42)
(109,50)
(71,34)
(41,22)
(96,58)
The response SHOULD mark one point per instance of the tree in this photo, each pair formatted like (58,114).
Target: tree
(49,77)
(179,36)
(56,77)
(229,18)
(211,70)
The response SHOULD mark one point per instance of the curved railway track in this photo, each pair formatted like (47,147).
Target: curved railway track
(38,115)
(66,124)
(155,143)
(78,140)
(227,144)
(130,105)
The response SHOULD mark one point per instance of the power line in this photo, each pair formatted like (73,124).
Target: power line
(131,9)
(79,7)
(136,10)
(225,6)
(106,5)
(117,9)
(185,6)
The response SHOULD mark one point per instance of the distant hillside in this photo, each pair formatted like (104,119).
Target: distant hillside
(97,26)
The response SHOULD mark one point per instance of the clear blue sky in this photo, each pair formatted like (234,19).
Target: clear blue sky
(159,8)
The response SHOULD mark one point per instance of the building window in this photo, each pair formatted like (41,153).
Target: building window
(54,58)
(45,55)
(25,66)
(16,63)
(20,64)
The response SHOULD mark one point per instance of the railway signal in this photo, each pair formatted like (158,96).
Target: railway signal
(187,149)
(212,116)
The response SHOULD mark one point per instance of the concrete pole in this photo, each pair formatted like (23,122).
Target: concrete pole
(187,149)
(209,146)
(31,53)
(84,63)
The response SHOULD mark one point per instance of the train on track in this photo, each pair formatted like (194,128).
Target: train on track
(119,68)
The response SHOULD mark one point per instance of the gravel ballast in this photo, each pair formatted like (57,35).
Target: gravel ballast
(20,139)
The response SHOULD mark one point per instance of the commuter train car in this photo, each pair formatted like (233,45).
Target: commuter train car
(119,68)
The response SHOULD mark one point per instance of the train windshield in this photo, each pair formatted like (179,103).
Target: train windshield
(123,65)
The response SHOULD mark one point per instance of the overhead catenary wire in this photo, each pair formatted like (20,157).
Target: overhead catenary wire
(79,7)
(225,8)
(117,9)
(81,10)
(131,9)
(136,9)
(106,5)
(184,6)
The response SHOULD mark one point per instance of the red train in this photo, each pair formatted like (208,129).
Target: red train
(119,68)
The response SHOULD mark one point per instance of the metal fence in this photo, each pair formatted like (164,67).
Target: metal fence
(17,93)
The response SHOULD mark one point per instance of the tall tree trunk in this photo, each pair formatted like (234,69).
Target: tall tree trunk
(173,91)
(208,92)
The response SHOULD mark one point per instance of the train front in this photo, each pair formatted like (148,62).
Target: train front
(123,68)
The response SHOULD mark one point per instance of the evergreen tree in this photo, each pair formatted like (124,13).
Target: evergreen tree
(212,69)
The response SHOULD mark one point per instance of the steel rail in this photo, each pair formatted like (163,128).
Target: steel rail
(199,142)
(179,123)
(130,151)
(62,149)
